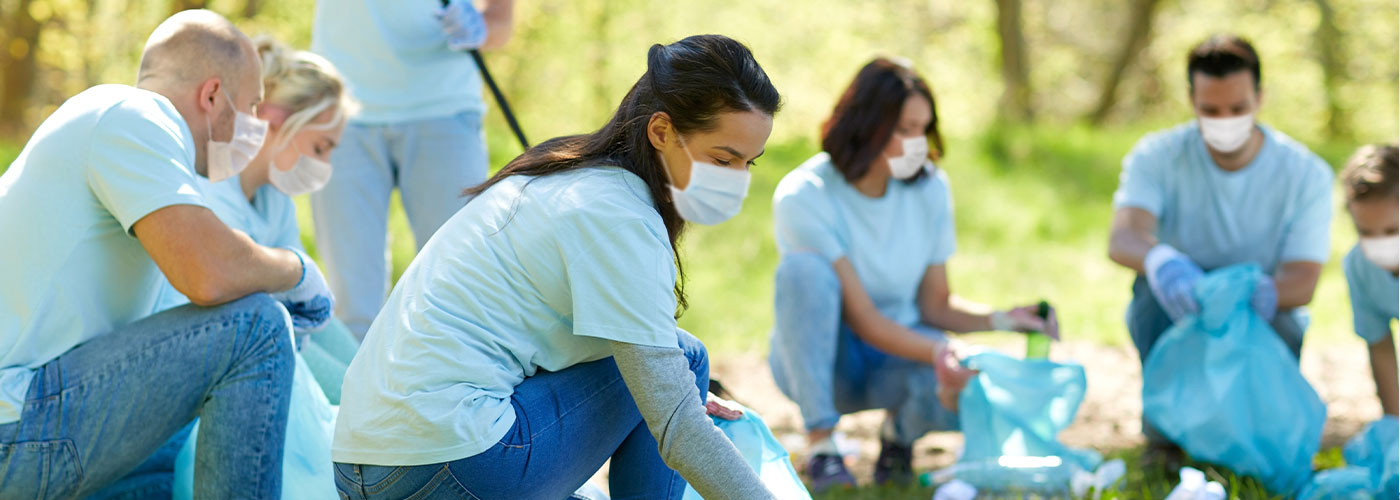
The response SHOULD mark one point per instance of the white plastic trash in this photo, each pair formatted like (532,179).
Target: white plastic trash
(1193,486)
(955,490)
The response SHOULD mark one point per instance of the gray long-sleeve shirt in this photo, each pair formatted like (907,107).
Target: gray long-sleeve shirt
(664,389)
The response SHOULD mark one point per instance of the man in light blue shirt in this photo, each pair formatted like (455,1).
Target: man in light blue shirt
(1220,190)
(418,129)
(106,199)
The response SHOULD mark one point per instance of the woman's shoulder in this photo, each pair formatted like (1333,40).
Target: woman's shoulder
(813,178)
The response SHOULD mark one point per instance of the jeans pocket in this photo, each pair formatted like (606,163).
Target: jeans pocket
(39,469)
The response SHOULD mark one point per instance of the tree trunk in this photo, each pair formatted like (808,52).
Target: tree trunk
(18,57)
(182,5)
(250,8)
(1016,93)
(1327,39)
(1139,32)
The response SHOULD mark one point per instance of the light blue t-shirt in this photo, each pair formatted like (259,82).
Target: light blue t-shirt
(270,220)
(1277,209)
(395,59)
(1375,296)
(72,270)
(534,274)
(890,241)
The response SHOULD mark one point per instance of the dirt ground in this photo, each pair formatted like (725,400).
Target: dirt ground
(1108,420)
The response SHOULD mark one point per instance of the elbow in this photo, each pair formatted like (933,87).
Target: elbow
(207,288)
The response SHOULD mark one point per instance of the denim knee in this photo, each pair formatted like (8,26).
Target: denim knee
(805,271)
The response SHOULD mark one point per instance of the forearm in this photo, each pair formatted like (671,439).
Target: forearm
(959,315)
(893,338)
(500,23)
(1295,283)
(1128,247)
(664,390)
(1383,368)
(210,263)
(252,268)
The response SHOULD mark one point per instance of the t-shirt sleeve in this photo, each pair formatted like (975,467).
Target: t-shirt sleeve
(621,278)
(288,233)
(1370,323)
(1307,236)
(804,221)
(1140,184)
(945,234)
(137,164)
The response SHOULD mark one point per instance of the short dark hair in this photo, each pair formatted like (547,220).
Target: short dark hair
(1222,55)
(1370,174)
(865,117)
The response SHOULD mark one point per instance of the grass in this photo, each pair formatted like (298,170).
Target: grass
(1033,207)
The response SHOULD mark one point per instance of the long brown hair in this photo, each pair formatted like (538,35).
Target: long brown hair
(865,117)
(692,81)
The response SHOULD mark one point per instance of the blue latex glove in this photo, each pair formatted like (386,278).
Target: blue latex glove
(463,24)
(310,302)
(1172,275)
(1264,301)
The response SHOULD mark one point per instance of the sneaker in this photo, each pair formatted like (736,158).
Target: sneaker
(895,464)
(827,471)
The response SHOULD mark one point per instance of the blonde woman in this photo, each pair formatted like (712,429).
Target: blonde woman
(305,105)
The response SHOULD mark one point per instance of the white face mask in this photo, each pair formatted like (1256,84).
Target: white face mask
(227,159)
(307,174)
(1227,135)
(912,161)
(1383,251)
(714,195)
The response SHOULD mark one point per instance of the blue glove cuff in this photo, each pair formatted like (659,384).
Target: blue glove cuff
(302,259)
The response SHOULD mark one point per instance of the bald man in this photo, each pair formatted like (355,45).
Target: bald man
(105,198)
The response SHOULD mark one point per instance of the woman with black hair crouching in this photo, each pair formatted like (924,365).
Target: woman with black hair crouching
(534,337)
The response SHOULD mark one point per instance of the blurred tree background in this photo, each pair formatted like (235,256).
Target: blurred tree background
(1330,66)
(1038,100)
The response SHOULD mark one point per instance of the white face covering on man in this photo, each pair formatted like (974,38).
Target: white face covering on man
(715,194)
(908,165)
(1227,135)
(1383,251)
(308,174)
(227,159)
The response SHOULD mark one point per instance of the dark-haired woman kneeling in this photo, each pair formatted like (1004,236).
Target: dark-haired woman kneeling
(534,337)
(865,230)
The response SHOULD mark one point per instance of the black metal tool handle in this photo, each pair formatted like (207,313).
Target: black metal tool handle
(496,92)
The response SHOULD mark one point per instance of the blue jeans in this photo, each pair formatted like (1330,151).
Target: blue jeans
(1147,321)
(820,364)
(431,162)
(107,417)
(567,423)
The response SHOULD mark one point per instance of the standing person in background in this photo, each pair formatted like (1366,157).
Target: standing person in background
(1220,190)
(1369,182)
(419,129)
(861,294)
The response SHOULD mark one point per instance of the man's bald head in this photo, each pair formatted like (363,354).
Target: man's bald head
(193,46)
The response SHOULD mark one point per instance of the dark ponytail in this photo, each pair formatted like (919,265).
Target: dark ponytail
(692,81)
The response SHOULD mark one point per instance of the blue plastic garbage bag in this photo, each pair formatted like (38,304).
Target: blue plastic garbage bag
(1223,386)
(1377,449)
(763,454)
(1017,408)
(1344,483)
(307,471)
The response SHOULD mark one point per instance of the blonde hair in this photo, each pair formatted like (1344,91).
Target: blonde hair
(304,84)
